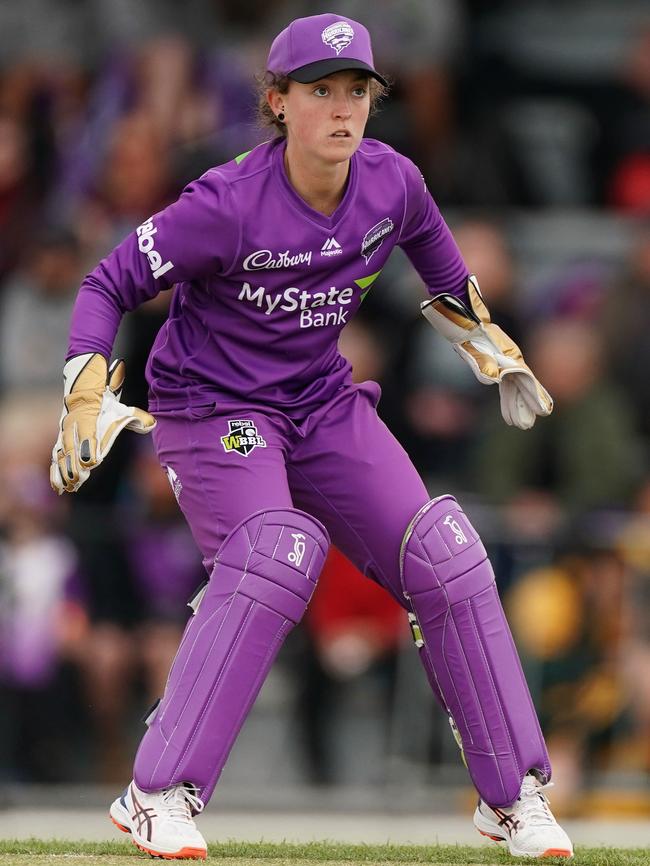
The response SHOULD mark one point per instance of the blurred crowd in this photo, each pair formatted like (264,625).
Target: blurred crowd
(531,124)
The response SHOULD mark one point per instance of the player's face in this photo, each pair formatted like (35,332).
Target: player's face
(326,118)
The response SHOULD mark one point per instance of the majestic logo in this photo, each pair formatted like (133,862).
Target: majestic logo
(262,260)
(242,437)
(146,243)
(299,548)
(455,527)
(338,35)
(331,248)
(175,482)
(293,298)
(374,238)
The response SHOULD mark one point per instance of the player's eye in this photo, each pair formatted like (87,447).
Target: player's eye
(321,90)
(360,90)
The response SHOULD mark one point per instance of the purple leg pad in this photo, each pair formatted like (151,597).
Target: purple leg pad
(468,651)
(264,576)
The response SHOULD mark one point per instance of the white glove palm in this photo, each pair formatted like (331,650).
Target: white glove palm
(91,419)
(492,355)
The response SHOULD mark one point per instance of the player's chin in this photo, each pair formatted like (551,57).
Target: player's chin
(342,146)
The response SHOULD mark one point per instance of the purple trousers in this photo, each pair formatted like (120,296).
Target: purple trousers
(341,472)
(342,465)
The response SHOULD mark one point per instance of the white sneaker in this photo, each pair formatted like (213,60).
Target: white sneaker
(528,826)
(161,823)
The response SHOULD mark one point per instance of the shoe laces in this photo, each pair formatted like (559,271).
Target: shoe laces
(181,802)
(533,804)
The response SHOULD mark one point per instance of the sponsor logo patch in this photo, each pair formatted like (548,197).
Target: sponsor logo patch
(331,247)
(338,35)
(146,245)
(263,260)
(242,437)
(293,299)
(374,238)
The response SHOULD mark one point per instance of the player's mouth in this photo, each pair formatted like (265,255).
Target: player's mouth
(341,133)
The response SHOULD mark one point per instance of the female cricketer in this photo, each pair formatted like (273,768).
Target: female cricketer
(272,450)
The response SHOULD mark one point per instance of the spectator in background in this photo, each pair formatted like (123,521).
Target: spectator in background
(134,181)
(440,402)
(629,182)
(131,641)
(35,302)
(18,197)
(625,324)
(484,247)
(439,411)
(633,545)
(587,456)
(572,623)
(42,621)
(152,120)
(361,344)
(35,310)
(354,632)
(165,563)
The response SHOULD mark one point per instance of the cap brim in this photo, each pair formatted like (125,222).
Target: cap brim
(323,68)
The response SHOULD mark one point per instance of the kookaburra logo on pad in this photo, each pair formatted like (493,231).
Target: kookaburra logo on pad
(242,437)
(299,548)
(338,35)
(455,527)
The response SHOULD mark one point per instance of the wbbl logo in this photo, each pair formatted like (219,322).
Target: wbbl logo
(242,437)
(374,238)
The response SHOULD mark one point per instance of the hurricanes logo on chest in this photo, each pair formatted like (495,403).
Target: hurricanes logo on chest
(242,437)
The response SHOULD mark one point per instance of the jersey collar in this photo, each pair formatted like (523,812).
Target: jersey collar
(301,205)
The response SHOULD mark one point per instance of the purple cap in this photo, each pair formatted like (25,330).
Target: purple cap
(314,47)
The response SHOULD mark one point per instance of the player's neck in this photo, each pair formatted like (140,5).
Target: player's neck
(320,185)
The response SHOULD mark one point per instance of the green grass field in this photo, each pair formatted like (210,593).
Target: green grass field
(35,852)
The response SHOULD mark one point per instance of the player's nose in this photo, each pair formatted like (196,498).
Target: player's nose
(342,110)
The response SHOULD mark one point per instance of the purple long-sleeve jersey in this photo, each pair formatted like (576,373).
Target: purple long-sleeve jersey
(263,284)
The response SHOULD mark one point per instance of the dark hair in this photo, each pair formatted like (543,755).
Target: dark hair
(271,81)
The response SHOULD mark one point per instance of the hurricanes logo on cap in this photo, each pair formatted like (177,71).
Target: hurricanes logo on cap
(338,35)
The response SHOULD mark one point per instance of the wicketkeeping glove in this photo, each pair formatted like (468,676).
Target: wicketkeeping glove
(492,355)
(91,419)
